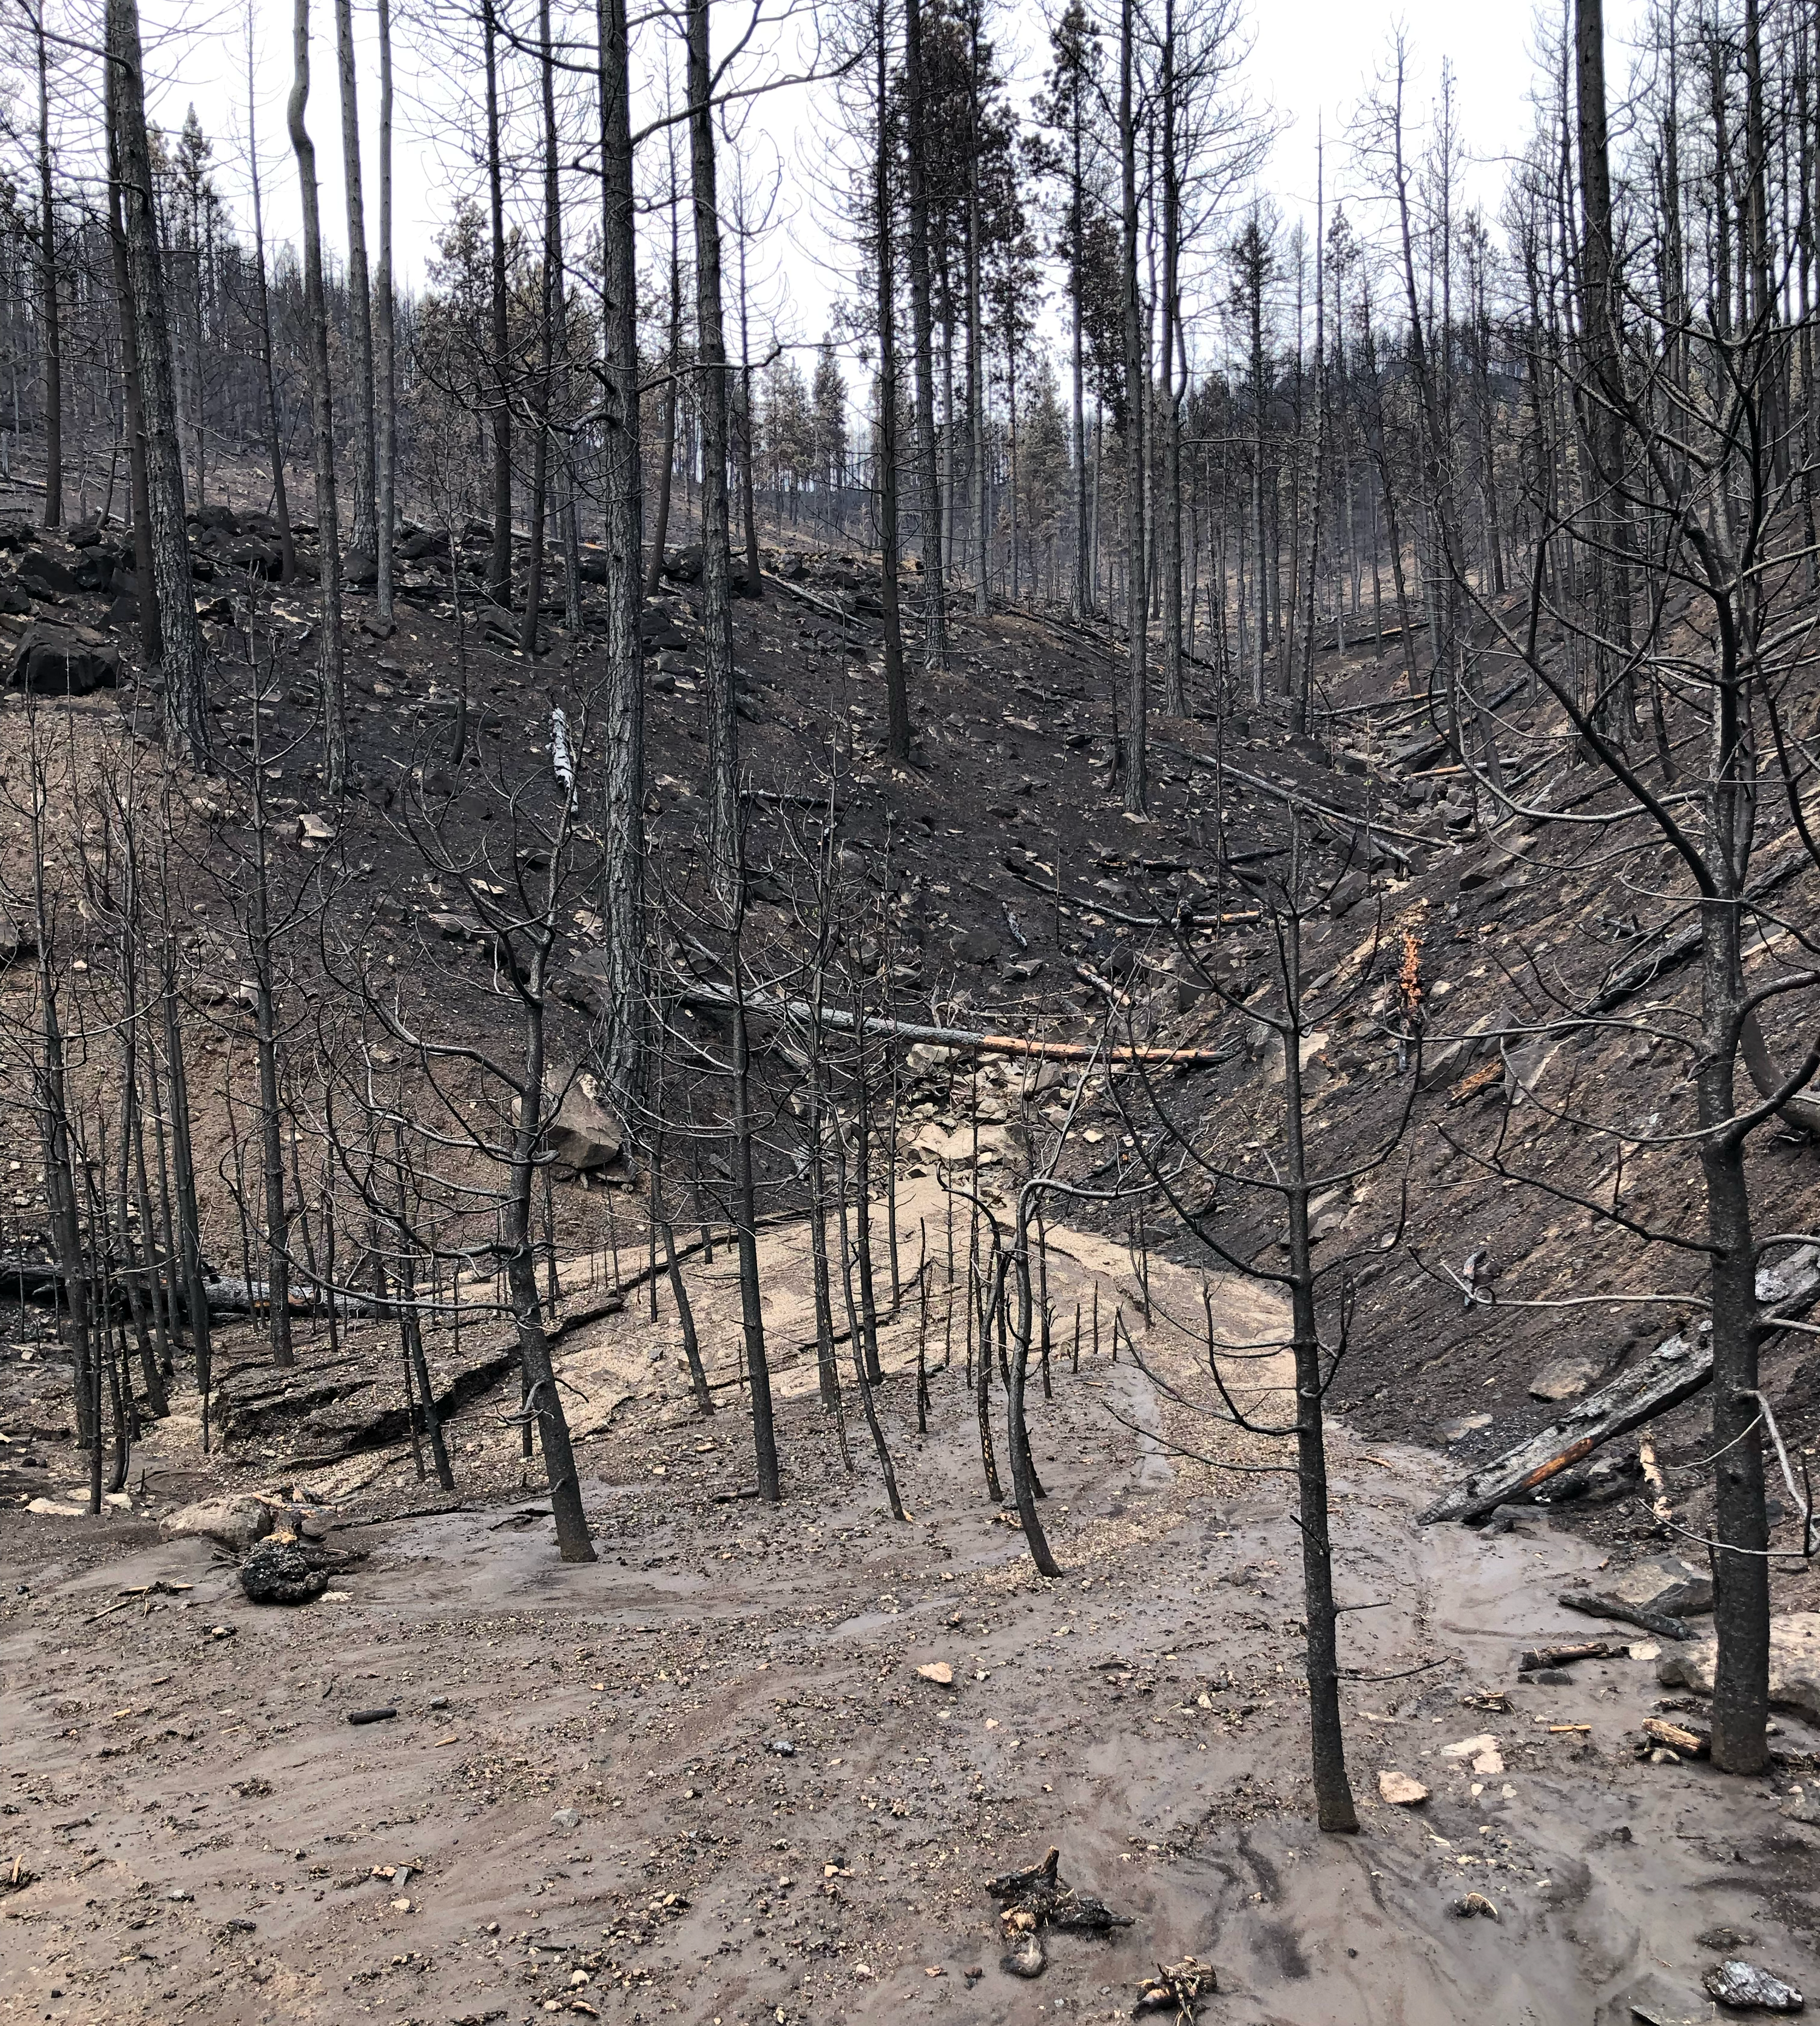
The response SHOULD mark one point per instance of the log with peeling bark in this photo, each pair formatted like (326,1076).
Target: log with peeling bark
(1676,1737)
(1564,1656)
(1672,1373)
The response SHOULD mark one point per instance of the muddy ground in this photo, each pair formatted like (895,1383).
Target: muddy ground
(703,1779)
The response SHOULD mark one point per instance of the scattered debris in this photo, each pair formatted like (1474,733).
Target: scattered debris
(939,1672)
(1180,1985)
(1040,1892)
(1400,1791)
(370,1716)
(1471,1903)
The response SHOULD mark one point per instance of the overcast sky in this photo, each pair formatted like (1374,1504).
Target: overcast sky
(1311,62)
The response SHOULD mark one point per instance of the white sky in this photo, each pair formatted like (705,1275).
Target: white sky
(1311,62)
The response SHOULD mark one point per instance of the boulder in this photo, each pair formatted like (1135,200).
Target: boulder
(283,1572)
(1346,896)
(683,565)
(1794,1664)
(422,543)
(360,567)
(257,557)
(95,570)
(45,573)
(1663,1584)
(1742,1987)
(124,611)
(1565,1378)
(235,1521)
(16,601)
(51,661)
(217,517)
(583,1137)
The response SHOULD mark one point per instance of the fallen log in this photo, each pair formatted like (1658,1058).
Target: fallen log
(1595,1606)
(1664,1737)
(709,997)
(1672,1373)
(1533,1657)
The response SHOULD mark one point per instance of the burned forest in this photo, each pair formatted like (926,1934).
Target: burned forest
(909,1013)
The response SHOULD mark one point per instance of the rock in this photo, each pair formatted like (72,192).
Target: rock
(1746,1989)
(1348,893)
(1803,1806)
(1025,1957)
(124,611)
(977,946)
(1471,1903)
(282,1572)
(1482,1751)
(683,565)
(1463,1425)
(236,1521)
(56,1509)
(360,567)
(217,516)
(45,573)
(258,558)
(1794,1664)
(51,660)
(1564,1378)
(585,984)
(315,830)
(426,542)
(782,1748)
(566,1818)
(1400,1791)
(95,571)
(1663,1584)
(939,1672)
(583,1137)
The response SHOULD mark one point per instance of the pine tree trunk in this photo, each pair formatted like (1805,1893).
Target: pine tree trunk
(896,699)
(922,339)
(499,568)
(359,293)
(329,653)
(151,635)
(275,445)
(716,609)
(48,290)
(385,338)
(184,666)
(623,758)
(1137,595)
